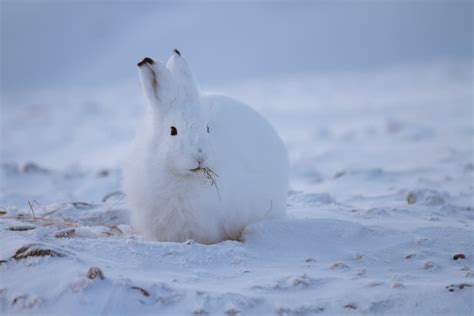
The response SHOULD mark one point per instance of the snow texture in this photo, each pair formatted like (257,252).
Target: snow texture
(380,205)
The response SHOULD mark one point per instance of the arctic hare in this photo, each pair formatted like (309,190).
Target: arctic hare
(202,166)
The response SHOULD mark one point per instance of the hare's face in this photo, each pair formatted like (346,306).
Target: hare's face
(186,143)
(183,133)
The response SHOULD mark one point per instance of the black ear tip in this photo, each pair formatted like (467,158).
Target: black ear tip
(146,60)
(176,51)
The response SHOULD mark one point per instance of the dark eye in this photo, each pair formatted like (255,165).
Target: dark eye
(208,128)
(174,131)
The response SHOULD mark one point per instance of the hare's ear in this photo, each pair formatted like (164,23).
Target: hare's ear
(158,84)
(184,76)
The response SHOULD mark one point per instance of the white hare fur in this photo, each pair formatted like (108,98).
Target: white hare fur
(225,168)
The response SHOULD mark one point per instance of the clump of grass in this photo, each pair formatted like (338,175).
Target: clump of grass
(459,256)
(66,233)
(460,286)
(45,219)
(36,250)
(21,228)
(351,306)
(411,198)
(114,230)
(95,272)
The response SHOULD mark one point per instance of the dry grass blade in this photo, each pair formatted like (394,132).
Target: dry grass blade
(119,194)
(270,209)
(32,210)
(77,205)
(60,207)
(45,220)
(142,290)
(82,205)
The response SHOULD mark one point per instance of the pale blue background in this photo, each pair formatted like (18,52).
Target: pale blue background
(48,44)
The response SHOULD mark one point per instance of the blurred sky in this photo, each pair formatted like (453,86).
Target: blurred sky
(51,44)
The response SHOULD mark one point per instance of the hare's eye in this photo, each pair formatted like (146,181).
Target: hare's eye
(208,128)
(174,131)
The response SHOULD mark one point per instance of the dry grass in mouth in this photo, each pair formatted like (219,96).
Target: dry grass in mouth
(211,176)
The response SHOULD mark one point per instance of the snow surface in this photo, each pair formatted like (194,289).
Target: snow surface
(381,200)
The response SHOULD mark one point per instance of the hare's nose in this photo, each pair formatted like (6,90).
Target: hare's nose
(200,156)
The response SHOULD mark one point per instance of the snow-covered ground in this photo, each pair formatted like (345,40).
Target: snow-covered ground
(381,200)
